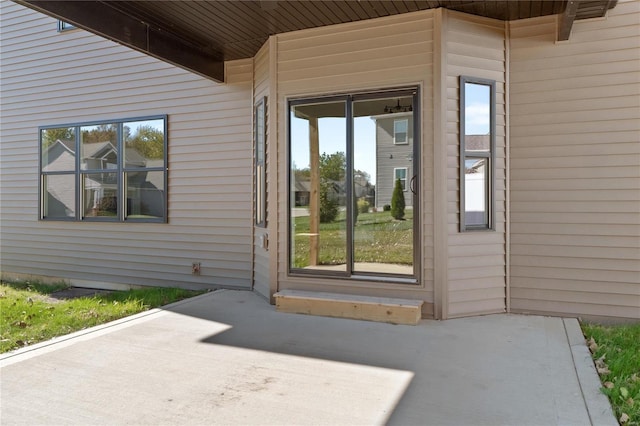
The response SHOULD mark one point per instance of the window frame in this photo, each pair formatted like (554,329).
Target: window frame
(349,98)
(405,187)
(490,201)
(121,171)
(260,163)
(406,133)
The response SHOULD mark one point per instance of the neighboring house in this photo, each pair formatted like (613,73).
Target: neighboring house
(522,122)
(394,155)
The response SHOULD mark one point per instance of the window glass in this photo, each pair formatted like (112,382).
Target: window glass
(477,135)
(260,165)
(100,195)
(400,131)
(145,194)
(401,175)
(58,148)
(143,144)
(59,199)
(318,143)
(99,147)
(110,186)
(475,181)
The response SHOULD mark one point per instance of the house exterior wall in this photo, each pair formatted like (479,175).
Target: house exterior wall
(474,47)
(368,55)
(575,166)
(53,78)
(261,89)
(390,156)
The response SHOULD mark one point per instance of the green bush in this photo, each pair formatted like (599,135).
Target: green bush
(328,206)
(397,201)
(386,208)
(363,206)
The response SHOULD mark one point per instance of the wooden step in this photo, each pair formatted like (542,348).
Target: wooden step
(380,309)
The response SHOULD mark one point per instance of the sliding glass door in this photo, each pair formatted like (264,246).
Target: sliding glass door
(353,185)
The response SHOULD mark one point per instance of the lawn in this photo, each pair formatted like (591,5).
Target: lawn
(29,315)
(616,352)
(378,238)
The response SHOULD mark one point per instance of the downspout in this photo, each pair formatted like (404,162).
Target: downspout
(507,163)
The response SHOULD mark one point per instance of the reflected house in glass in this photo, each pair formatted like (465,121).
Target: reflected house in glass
(394,156)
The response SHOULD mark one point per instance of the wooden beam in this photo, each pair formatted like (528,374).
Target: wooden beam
(314,192)
(117,26)
(566,20)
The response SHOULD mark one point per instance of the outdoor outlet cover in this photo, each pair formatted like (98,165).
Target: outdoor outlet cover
(195,268)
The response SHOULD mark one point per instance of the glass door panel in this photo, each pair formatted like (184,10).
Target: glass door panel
(318,183)
(383,186)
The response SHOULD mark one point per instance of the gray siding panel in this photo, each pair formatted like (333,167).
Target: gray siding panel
(53,78)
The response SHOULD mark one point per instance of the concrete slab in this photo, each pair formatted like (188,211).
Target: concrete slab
(228,358)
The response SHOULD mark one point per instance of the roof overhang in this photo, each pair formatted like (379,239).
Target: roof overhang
(200,35)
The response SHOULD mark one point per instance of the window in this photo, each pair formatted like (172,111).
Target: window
(400,173)
(342,170)
(65,26)
(477,153)
(400,131)
(260,164)
(119,175)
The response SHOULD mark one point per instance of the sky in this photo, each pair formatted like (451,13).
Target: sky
(332,132)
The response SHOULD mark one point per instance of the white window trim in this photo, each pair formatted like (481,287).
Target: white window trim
(395,177)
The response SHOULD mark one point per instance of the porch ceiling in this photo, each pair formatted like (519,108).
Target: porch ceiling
(201,35)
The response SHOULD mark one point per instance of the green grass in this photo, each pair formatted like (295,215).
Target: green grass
(28,315)
(620,368)
(378,239)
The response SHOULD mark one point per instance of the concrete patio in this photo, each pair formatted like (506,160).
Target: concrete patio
(228,358)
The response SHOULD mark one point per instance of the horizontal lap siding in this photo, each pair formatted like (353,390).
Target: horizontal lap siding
(53,78)
(575,147)
(261,255)
(475,47)
(368,55)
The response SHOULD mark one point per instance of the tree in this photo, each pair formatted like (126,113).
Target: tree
(397,201)
(50,136)
(147,140)
(332,169)
(100,133)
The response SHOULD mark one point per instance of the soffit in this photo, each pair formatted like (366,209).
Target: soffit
(201,35)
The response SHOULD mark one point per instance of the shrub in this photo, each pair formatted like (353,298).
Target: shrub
(386,208)
(328,206)
(397,201)
(363,206)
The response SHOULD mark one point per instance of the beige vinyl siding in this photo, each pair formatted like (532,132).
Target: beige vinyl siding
(475,47)
(261,255)
(575,148)
(51,78)
(368,55)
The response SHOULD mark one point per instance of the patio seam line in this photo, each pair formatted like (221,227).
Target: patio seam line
(575,370)
(61,339)
(597,403)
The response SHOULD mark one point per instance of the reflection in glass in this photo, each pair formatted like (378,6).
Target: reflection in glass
(58,149)
(59,196)
(475,197)
(100,194)
(99,147)
(143,143)
(382,153)
(145,194)
(318,186)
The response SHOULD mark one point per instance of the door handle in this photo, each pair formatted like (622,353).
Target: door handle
(412,185)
